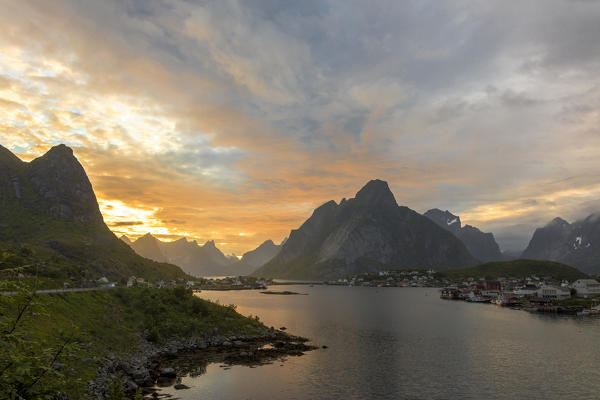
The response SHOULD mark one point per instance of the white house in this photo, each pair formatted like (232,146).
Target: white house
(554,292)
(131,281)
(586,287)
(527,290)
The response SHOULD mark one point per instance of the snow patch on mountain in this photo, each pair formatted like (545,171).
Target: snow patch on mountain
(579,243)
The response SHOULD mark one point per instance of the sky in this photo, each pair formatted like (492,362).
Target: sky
(233,120)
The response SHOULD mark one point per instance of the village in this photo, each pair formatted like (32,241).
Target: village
(534,294)
(399,278)
(215,283)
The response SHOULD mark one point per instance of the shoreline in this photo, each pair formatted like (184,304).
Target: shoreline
(155,367)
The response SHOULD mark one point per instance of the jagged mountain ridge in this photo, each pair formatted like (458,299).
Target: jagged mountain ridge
(199,260)
(367,233)
(480,244)
(576,244)
(261,255)
(49,204)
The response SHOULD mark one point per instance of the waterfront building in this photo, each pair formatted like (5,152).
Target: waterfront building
(492,286)
(586,287)
(540,302)
(527,290)
(554,292)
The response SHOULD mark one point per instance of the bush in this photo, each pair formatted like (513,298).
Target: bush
(115,390)
(28,365)
(153,335)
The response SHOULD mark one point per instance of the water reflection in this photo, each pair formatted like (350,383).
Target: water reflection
(406,343)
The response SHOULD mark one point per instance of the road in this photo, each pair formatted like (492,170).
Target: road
(53,291)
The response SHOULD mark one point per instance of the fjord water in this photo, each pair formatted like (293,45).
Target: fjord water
(406,343)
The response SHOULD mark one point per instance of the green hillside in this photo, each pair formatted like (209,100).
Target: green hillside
(78,330)
(516,269)
(50,216)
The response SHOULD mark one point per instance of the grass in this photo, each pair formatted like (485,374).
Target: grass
(100,323)
(515,269)
(69,248)
(578,302)
(74,262)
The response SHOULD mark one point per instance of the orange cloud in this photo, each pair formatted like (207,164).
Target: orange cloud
(211,120)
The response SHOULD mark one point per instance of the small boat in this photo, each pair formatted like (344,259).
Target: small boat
(476,297)
(479,299)
(506,301)
(449,294)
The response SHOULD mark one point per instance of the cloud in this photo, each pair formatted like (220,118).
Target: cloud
(213,118)
(125,223)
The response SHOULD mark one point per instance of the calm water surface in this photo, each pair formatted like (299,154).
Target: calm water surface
(406,343)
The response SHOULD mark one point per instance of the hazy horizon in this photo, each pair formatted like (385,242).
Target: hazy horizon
(231,121)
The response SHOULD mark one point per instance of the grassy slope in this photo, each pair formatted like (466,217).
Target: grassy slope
(113,321)
(516,269)
(74,259)
(84,250)
(87,250)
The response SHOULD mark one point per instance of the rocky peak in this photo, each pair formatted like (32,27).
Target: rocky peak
(592,218)
(60,150)
(262,254)
(11,171)
(480,244)
(209,244)
(376,193)
(147,238)
(445,219)
(8,159)
(558,222)
(61,181)
(125,239)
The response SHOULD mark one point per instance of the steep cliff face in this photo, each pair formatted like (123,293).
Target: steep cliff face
(261,255)
(60,180)
(12,170)
(576,244)
(367,233)
(480,244)
(50,204)
(53,185)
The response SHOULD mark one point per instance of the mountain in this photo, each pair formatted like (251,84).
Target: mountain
(576,244)
(126,239)
(150,247)
(48,206)
(263,253)
(481,245)
(206,260)
(367,233)
(194,259)
(258,257)
(516,269)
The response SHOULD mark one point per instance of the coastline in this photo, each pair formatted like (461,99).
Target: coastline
(154,367)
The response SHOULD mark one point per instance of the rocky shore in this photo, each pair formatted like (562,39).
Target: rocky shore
(154,367)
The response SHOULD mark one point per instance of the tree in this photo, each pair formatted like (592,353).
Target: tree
(29,366)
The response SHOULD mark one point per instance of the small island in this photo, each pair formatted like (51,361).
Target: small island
(283,292)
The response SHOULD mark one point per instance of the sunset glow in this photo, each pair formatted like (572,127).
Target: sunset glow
(191,121)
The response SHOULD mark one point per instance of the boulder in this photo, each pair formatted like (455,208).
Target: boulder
(168,373)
